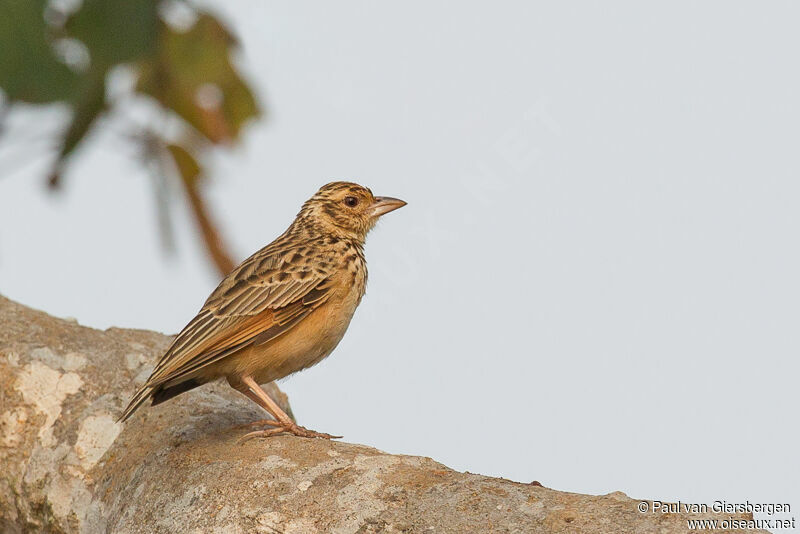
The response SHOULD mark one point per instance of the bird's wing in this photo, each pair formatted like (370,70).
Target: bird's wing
(263,298)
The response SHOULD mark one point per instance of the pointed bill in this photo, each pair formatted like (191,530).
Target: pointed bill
(384,205)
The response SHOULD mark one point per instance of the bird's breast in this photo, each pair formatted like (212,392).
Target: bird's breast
(313,338)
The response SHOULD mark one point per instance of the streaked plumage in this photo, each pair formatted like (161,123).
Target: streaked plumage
(283,309)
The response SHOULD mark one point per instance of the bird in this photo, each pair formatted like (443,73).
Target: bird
(282,310)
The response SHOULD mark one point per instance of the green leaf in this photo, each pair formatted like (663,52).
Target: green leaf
(29,70)
(116,31)
(86,109)
(192,75)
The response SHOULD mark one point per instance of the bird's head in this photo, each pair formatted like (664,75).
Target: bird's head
(347,209)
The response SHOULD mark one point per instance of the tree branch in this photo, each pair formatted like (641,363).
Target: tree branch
(68,467)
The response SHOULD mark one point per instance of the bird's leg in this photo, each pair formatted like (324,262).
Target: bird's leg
(282,422)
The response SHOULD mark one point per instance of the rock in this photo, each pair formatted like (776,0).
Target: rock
(69,467)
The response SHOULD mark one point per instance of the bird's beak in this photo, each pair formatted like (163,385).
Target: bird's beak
(384,205)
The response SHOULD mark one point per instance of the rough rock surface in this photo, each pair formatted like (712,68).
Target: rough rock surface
(67,466)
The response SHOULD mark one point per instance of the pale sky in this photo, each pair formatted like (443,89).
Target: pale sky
(595,282)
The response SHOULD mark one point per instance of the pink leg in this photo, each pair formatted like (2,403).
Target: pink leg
(282,423)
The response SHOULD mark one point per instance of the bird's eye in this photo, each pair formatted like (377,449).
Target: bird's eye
(351,201)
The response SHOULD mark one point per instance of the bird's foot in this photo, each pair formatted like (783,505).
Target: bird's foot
(260,422)
(283,427)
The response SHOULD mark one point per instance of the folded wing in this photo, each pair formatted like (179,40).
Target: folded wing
(262,299)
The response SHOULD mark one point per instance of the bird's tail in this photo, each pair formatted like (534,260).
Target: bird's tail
(141,396)
(159,394)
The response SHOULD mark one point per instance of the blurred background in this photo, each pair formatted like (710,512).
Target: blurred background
(594,285)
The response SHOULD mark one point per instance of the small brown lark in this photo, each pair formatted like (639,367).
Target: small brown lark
(282,310)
